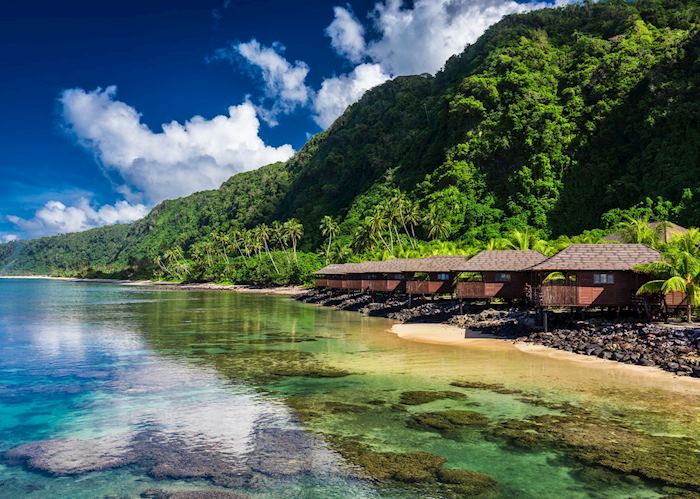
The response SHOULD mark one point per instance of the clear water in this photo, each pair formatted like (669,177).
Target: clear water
(124,389)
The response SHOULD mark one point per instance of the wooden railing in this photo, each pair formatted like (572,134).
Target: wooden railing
(354,284)
(383,285)
(425,287)
(469,289)
(334,283)
(554,295)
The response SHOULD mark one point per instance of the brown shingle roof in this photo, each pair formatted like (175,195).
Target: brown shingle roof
(337,269)
(437,263)
(600,257)
(503,260)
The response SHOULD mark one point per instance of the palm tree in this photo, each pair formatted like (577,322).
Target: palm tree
(294,230)
(678,272)
(362,238)
(521,240)
(236,241)
(438,227)
(377,225)
(410,218)
(263,234)
(279,235)
(329,229)
(639,230)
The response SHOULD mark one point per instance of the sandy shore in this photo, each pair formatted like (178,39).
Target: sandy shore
(204,286)
(444,334)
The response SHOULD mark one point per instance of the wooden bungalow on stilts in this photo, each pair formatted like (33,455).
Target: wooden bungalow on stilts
(501,274)
(593,275)
(433,275)
(330,276)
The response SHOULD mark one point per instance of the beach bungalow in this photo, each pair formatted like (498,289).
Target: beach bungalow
(593,275)
(432,275)
(330,276)
(498,274)
(387,276)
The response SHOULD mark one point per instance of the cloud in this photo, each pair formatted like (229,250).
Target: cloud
(419,39)
(284,82)
(337,93)
(6,238)
(347,35)
(177,160)
(55,217)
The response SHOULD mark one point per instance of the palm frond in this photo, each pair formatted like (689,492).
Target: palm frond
(651,287)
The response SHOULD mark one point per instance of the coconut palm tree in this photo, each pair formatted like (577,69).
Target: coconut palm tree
(521,240)
(263,234)
(362,238)
(639,230)
(377,226)
(438,227)
(294,230)
(678,272)
(329,229)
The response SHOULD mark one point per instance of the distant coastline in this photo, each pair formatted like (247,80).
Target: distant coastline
(202,286)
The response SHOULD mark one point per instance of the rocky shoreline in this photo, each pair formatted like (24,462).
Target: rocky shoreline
(672,348)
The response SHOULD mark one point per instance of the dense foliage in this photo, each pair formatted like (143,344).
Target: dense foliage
(553,123)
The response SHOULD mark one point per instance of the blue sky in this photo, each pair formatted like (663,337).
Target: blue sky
(88,86)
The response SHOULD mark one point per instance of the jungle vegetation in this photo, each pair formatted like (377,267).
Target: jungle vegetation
(555,126)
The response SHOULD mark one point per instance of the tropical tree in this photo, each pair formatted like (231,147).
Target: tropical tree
(362,239)
(678,272)
(329,229)
(263,235)
(294,230)
(639,230)
(438,226)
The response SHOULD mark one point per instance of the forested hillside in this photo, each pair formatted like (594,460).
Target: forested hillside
(553,122)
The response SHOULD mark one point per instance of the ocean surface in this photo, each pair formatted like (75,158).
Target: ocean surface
(120,391)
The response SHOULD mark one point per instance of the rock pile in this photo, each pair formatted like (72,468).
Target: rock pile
(673,349)
(508,322)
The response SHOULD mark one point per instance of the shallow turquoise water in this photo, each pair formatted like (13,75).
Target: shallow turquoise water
(123,389)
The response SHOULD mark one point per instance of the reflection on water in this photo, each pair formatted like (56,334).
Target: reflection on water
(109,390)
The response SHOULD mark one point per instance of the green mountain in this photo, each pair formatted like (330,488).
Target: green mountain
(549,121)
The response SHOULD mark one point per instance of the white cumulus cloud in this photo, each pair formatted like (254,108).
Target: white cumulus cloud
(337,93)
(177,160)
(55,217)
(419,38)
(347,35)
(284,82)
(6,238)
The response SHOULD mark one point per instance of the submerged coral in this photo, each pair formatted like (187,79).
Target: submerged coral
(419,397)
(603,442)
(447,420)
(261,366)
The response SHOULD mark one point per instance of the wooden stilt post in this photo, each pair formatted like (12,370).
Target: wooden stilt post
(545,325)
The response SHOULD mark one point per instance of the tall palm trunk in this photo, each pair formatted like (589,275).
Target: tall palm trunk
(267,250)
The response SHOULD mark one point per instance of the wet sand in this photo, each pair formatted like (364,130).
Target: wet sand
(447,335)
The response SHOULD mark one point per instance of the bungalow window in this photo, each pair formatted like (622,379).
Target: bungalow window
(397,277)
(600,278)
(442,276)
(502,277)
